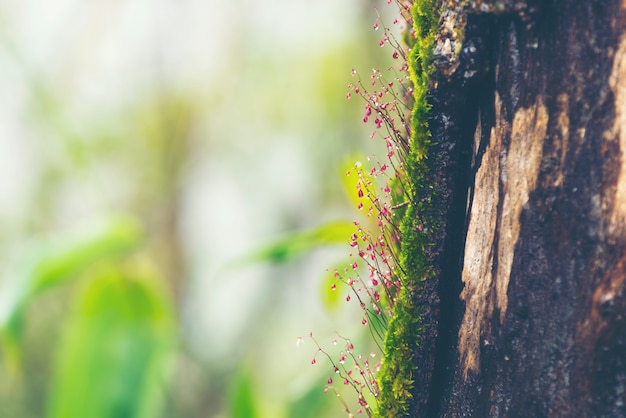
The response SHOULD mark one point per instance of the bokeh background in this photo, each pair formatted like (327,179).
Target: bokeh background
(159,161)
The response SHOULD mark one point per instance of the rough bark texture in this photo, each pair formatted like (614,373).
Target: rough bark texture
(531,292)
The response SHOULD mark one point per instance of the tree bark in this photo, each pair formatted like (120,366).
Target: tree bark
(531,291)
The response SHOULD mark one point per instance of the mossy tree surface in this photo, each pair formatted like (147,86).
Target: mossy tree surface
(396,378)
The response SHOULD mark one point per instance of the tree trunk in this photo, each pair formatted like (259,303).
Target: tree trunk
(532,284)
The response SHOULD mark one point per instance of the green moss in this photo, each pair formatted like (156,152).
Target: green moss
(425,19)
(404,329)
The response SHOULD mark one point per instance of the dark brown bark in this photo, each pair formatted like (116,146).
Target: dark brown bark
(532,292)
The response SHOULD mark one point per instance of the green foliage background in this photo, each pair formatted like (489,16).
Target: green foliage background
(121,142)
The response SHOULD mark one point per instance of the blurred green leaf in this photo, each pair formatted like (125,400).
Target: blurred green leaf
(114,355)
(350,180)
(242,402)
(296,244)
(64,258)
(71,255)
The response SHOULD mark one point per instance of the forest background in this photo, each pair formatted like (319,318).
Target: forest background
(147,148)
